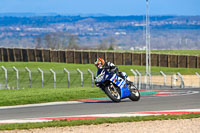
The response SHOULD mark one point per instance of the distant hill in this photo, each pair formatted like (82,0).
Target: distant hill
(45,19)
(93,30)
(28,14)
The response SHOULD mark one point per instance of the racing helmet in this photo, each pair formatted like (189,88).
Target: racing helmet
(99,63)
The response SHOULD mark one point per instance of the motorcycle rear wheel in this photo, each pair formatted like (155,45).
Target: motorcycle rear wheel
(113,93)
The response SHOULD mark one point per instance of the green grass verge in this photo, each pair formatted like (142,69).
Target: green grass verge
(96,121)
(39,95)
(31,96)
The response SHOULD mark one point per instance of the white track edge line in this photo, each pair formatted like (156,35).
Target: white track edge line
(130,114)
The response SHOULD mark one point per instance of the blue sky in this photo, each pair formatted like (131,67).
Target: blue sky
(109,7)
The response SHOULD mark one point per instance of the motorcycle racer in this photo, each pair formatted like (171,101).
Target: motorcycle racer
(110,67)
(114,83)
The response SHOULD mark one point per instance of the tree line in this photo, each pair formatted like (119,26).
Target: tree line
(62,40)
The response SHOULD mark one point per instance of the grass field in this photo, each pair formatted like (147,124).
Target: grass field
(178,52)
(195,52)
(174,52)
(44,95)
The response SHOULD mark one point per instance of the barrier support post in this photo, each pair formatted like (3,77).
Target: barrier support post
(29,73)
(165,77)
(42,76)
(54,77)
(68,76)
(140,79)
(198,75)
(17,76)
(148,80)
(182,80)
(6,76)
(92,76)
(135,77)
(81,73)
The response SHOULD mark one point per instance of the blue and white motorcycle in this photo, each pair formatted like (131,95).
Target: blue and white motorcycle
(116,87)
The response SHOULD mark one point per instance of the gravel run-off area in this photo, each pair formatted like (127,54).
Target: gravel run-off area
(165,126)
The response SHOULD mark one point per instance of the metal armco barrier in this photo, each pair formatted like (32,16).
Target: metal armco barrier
(17,76)
(42,76)
(81,73)
(54,77)
(29,75)
(6,76)
(68,76)
(92,77)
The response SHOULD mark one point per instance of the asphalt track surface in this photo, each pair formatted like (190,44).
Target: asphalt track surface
(184,99)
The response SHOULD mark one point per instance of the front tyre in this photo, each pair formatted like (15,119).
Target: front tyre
(135,94)
(113,93)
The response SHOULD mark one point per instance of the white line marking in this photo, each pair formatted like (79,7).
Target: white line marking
(130,114)
(40,104)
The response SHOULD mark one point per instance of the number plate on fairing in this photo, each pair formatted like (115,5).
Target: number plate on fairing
(121,84)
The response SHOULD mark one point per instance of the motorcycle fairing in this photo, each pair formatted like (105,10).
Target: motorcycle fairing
(121,84)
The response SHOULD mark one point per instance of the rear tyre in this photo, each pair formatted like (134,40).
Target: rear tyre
(113,93)
(135,94)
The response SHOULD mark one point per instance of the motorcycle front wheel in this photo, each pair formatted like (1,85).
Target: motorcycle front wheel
(135,94)
(113,93)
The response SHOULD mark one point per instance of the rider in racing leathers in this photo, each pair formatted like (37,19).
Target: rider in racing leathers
(110,67)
